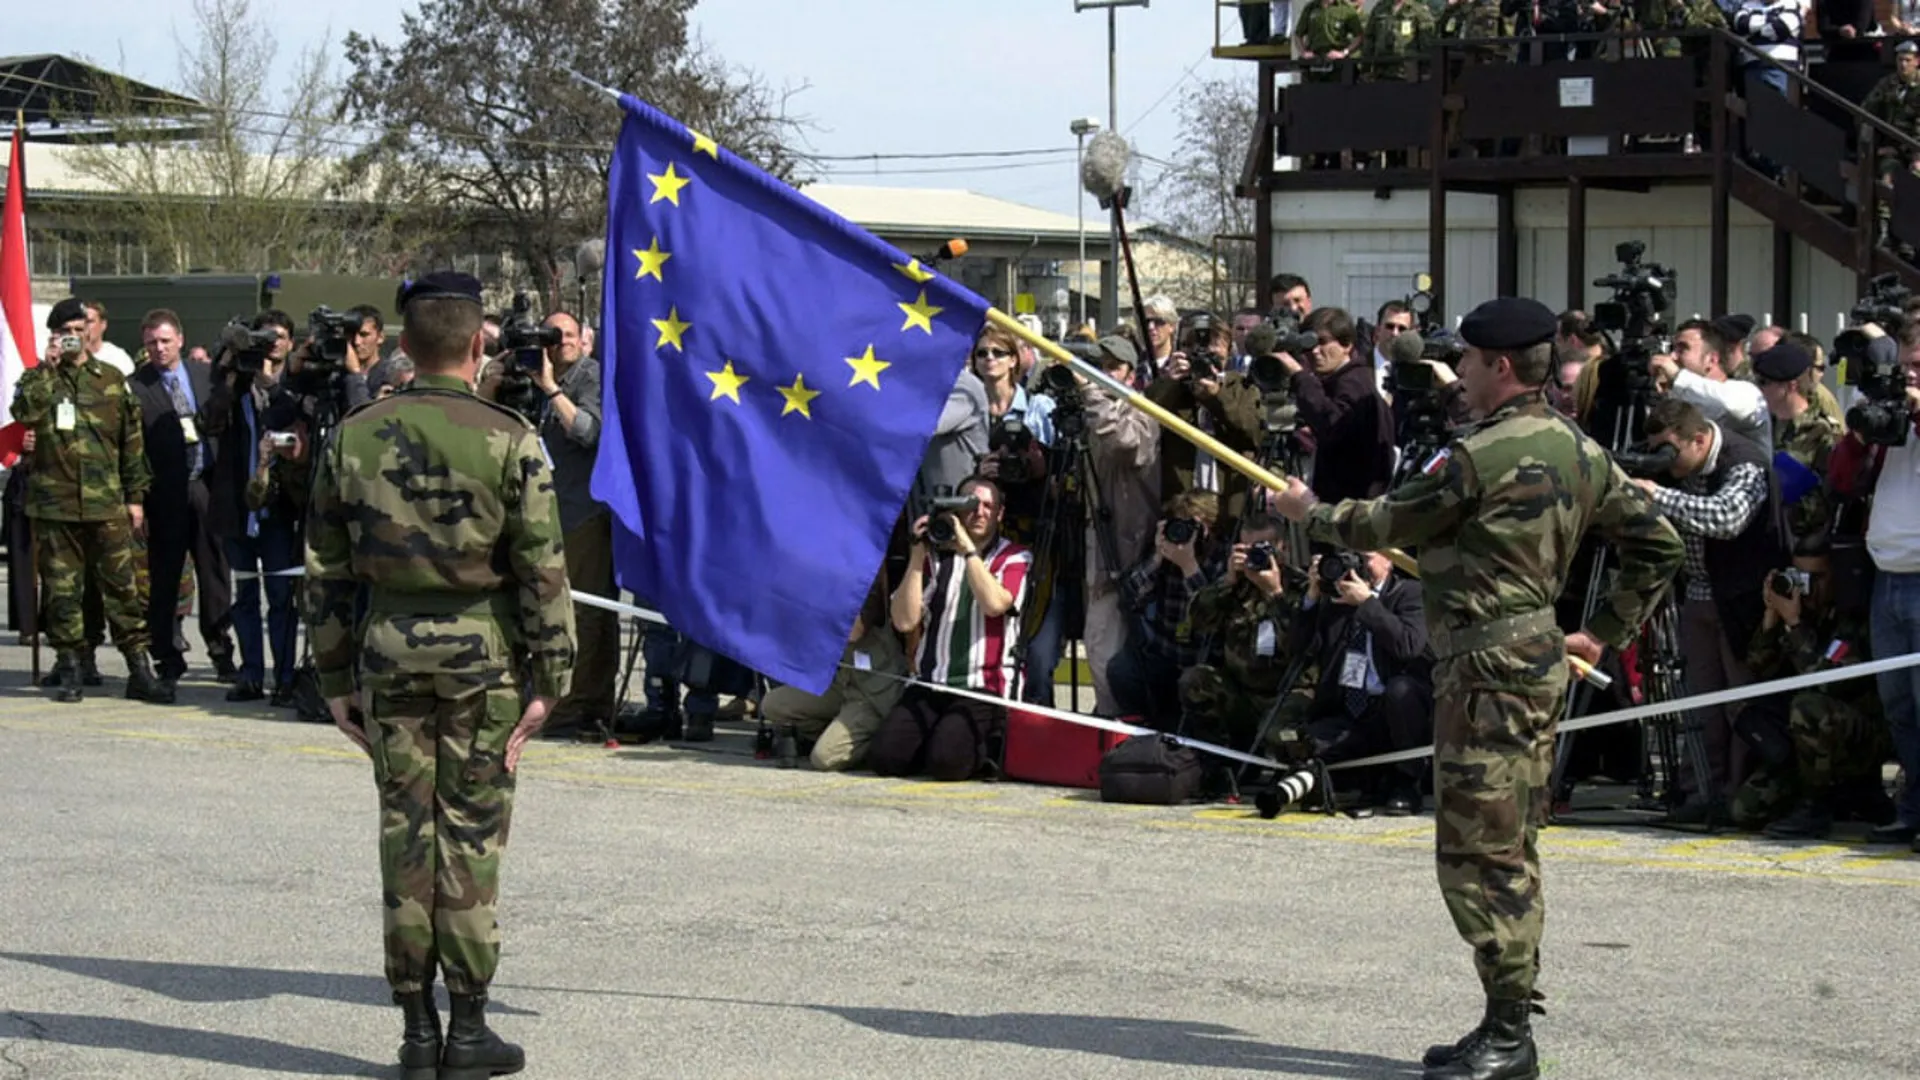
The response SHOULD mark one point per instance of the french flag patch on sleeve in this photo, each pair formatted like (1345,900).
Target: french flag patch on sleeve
(1838,651)
(1435,463)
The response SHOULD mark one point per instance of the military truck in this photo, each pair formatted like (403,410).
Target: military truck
(206,302)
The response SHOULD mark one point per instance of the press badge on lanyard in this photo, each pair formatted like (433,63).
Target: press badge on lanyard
(64,418)
(1353,670)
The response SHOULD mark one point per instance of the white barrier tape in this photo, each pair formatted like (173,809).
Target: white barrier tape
(248,575)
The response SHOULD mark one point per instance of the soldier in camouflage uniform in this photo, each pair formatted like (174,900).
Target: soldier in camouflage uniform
(1327,30)
(1496,517)
(1788,381)
(1249,615)
(1895,100)
(1396,30)
(1824,754)
(1473,19)
(438,509)
(85,496)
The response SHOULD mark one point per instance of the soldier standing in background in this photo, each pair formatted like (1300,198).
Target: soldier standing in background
(1895,100)
(440,506)
(85,496)
(1497,516)
(1396,30)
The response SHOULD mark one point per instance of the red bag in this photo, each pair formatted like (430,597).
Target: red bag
(1043,750)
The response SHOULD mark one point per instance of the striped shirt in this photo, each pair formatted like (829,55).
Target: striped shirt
(960,645)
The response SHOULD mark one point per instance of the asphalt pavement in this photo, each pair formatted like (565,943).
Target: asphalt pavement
(192,891)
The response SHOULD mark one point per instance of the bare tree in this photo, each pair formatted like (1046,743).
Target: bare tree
(476,114)
(246,180)
(1193,197)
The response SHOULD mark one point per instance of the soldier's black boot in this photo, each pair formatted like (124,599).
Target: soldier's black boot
(56,678)
(141,685)
(1500,1049)
(420,1045)
(1811,820)
(89,670)
(473,1051)
(1446,1052)
(66,679)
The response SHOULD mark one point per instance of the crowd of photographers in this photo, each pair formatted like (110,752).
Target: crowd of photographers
(1048,510)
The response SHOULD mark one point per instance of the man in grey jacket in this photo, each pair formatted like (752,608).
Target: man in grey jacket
(1124,445)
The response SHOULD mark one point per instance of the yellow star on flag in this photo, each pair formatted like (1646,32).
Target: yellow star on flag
(727,384)
(919,313)
(651,260)
(671,329)
(867,369)
(667,185)
(704,145)
(920,274)
(798,396)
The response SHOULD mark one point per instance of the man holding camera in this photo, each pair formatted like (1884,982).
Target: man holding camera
(458,607)
(1496,516)
(1726,505)
(1124,449)
(1158,593)
(85,496)
(1366,629)
(1699,373)
(172,395)
(1249,614)
(1353,437)
(1196,386)
(961,596)
(257,502)
(1888,468)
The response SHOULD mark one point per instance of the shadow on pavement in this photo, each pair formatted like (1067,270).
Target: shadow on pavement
(113,1033)
(223,983)
(1166,1042)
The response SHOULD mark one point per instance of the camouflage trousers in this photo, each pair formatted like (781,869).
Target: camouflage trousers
(1833,744)
(1218,708)
(1493,769)
(67,554)
(446,801)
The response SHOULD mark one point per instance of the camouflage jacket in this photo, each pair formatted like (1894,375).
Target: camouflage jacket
(443,505)
(1396,29)
(1497,516)
(1896,102)
(1473,19)
(1231,610)
(1821,642)
(1809,439)
(1325,26)
(99,467)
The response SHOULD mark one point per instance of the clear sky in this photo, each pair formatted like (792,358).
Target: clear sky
(882,76)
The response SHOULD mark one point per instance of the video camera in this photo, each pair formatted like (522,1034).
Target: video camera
(1642,294)
(1881,417)
(1280,333)
(944,514)
(322,369)
(247,349)
(523,341)
(1011,440)
(1647,461)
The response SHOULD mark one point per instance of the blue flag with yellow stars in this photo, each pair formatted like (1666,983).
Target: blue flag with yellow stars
(772,376)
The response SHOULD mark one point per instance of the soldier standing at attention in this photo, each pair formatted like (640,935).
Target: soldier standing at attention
(440,505)
(86,496)
(1497,516)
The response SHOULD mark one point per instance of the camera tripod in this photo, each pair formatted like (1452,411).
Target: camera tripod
(1662,668)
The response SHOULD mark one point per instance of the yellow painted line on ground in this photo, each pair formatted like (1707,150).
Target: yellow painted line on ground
(1820,851)
(937,790)
(1694,847)
(1550,842)
(1876,861)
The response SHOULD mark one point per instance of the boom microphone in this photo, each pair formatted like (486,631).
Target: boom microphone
(1103,172)
(1406,347)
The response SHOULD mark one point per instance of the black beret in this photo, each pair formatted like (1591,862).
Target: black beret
(1782,363)
(441,285)
(65,312)
(1511,322)
(1735,327)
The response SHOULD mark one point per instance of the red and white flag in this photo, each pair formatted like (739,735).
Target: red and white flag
(17,347)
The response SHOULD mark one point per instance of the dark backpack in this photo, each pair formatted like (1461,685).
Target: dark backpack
(1152,770)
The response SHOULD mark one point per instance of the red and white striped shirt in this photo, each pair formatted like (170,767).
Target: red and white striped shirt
(960,645)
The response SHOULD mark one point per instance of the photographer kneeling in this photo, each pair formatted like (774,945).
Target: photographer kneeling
(1250,615)
(1366,628)
(1156,592)
(961,594)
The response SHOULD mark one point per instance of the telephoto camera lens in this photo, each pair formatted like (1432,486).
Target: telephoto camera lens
(1287,792)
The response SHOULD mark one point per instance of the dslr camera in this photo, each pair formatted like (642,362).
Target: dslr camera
(1336,565)
(1011,440)
(1261,557)
(1196,341)
(944,514)
(1881,417)
(1789,582)
(1180,531)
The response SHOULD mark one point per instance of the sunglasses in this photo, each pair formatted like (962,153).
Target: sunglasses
(992,354)
(1158,322)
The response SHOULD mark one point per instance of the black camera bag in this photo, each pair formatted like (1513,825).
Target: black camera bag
(1151,770)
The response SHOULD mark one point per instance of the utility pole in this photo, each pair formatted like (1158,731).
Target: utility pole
(1110,267)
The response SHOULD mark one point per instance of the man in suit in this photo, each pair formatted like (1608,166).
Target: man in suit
(171,393)
(1368,632)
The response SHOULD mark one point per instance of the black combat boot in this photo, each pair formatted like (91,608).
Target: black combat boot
(65,679)
(473,1051)
(89,670)
(56,678)
(141,685)
(420,1045)
(1811,820)
(1500,1049)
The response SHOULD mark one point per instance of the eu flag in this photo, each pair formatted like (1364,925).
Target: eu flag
(772,376)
